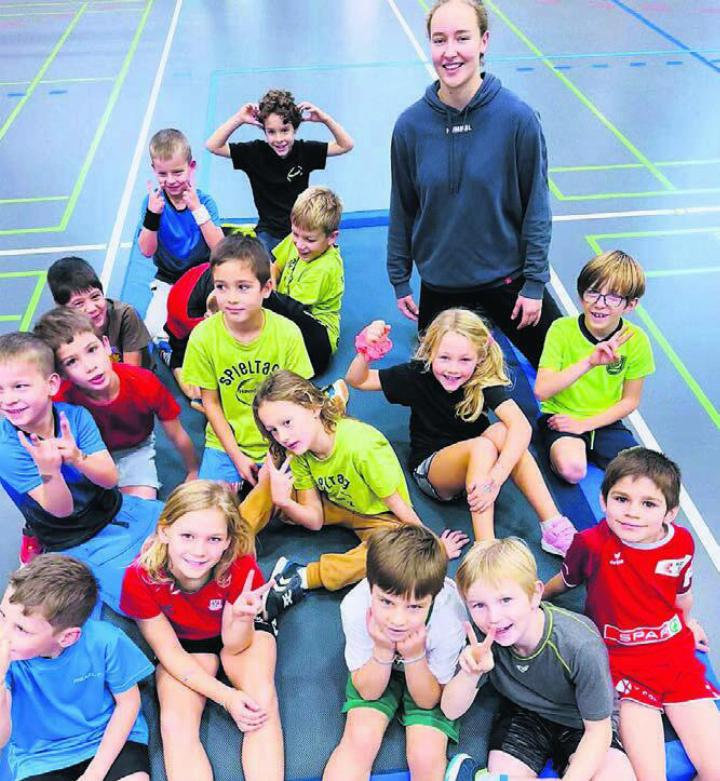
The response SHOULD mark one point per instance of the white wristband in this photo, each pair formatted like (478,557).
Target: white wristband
(201,215)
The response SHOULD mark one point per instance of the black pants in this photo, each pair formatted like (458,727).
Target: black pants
(495,304)
(314,333)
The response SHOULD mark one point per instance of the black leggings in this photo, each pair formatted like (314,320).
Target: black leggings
(495,304)
(314,333)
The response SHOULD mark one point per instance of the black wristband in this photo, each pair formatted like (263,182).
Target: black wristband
(151,221)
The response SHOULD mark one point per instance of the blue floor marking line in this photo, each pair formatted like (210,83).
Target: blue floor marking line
(666,35)
(638,64)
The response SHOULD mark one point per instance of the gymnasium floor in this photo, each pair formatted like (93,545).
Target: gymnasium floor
(628,95)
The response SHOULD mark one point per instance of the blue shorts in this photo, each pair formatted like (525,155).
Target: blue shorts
(601,445)
(217,465)
(136,465)
(111,550)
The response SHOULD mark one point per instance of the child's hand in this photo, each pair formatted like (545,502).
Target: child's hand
(567,424)
(156,199)
(247,115)
(606,352)
(376,331)
(413,644)
(453,542)
(312,113)
(382,642)
(281,481)
(248,469)
(250,602)
(482,495)
(70,452)
(701,639)
(245,712)
(190,197)
(44,452)
(4,654)
(477,658)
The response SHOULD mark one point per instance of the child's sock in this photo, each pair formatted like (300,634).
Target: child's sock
(302,571)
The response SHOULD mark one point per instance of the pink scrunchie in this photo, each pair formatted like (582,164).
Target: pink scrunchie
(374,351)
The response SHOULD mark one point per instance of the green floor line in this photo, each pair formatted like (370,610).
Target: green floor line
(37,199)
(555,190)
(642,194)
(557,169)
(43,68)
(657,333)
(594,238)
(624,140)
(76,80)
(33,303)
(9,318)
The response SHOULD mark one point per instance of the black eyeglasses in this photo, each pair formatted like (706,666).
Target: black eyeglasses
(611,300)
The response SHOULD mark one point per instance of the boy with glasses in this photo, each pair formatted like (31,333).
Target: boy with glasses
(592,369)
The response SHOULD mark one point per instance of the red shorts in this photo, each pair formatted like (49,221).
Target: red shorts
(658,679)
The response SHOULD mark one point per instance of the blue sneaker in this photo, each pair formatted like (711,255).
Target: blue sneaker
(462,767)
(287,591)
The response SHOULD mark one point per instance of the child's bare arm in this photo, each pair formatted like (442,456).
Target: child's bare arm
(148,238)
(218,141)
(181,439)
(359,374)
(53,494)
(591,751)
(556,585)
(476,659)
(238,620)
(5,697)
(133,358)
(684,603)
(423,686)
(127,707)
(401,509)
(343,143)
(373,677)
(517,440)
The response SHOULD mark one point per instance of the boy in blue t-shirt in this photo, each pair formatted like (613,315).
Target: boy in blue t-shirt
(179,224)
(69,697)
(57,470)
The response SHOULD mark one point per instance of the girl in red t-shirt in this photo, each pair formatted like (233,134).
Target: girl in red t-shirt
(197,594)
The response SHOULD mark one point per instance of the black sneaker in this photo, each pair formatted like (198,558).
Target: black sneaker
(287,591)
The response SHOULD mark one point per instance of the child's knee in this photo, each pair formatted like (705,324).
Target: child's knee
(264,693)
(362,739)
(425,760)
(484,447)
(572,470)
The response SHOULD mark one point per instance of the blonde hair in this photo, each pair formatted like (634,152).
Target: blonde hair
(317,208)
(168,142)
(23,347)
(490,368)
(614,270)
(476,5)
(285,385)
(493,561)
(191,497)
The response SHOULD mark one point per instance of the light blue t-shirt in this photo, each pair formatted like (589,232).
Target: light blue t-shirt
(61,706)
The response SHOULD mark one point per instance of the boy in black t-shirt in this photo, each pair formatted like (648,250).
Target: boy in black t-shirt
(279,167)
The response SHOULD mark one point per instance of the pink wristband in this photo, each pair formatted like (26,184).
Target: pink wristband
(375,351)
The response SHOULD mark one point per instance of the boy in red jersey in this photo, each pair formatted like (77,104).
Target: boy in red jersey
(637,567)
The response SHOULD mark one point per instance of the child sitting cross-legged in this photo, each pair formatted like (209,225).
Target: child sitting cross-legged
(326,469)
(69,699)
(550,668)
(196,593)
(455,377)
(637,567)
(403,630)
(124,400)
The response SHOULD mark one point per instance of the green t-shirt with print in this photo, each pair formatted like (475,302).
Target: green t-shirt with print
(361,471)
(319,283)
(215,360)
(569,341)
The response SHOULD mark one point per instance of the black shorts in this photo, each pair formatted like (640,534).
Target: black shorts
(133,758)
(532,739)
(213,645)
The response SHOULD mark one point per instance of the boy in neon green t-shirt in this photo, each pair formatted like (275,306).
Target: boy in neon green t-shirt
(232,352)
(592,369)
(308,274)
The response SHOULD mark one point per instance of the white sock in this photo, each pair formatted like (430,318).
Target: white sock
(302,571)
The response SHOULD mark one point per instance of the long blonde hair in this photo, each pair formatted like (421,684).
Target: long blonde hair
(285,385)
(490,368)
(191,497)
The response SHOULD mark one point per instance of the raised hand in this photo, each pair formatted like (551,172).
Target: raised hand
(245,712)
(413,644)
(156,198)
(281,481)
(606,352)
(44,452)
(248,113)
(453,542)
(70,452)
(477,658)
(250,602)
(311,113)
(381,641)
(376,331)
(482,495)
(190,197)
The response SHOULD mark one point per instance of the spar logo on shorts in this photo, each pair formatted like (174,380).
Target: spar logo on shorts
(616,367)
(644,635)
(215,605)
(671,567)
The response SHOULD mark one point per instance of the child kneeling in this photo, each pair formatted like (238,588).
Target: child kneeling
(196,593)
(403,633)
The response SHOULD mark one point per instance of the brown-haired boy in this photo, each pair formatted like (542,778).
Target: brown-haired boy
(230,353)
(69,697)
(592,369)
(404,631)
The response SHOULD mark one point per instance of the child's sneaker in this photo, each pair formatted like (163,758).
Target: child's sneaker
(288,588)
(29,548)
(462,767)
(557,534)
(340,390)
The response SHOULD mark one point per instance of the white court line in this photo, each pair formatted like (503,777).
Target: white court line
(638,213)
(646,436)
(53,250)
(114,243)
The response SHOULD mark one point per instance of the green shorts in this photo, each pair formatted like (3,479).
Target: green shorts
(411,713)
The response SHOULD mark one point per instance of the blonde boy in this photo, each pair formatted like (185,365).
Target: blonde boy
(550,667)
(592,369)
(308,274)
(403,629)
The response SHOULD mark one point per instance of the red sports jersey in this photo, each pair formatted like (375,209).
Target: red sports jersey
(179,321)
(194,616)
(631,590)
(129,419)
